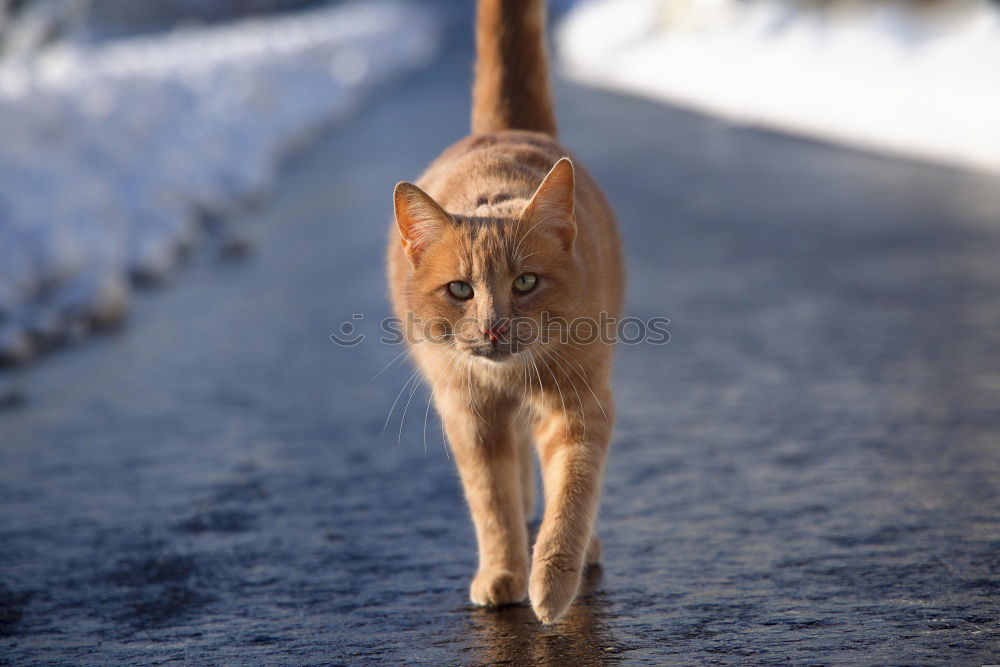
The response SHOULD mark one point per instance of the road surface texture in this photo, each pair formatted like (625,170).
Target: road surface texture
(807,472)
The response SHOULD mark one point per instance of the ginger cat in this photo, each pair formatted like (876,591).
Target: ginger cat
(498,252)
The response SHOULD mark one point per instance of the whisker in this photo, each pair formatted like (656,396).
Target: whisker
(525,235)
(587,384)
(572,384)
(559,389)
(407,351)
(527,378)
(405,384)
(430,397)
(402,420)
(472,397)
(541,389)
(451,379)
(583,350)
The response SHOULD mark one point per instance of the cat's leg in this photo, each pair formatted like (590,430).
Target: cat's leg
(572,467)
(484,444)
(526,464)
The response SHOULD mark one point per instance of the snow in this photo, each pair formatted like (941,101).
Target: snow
(112,153)
(886,76)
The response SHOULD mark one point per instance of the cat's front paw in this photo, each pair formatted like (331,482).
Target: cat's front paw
(496,588)
(555,581)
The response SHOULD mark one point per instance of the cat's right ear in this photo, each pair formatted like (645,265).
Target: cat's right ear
(419,218)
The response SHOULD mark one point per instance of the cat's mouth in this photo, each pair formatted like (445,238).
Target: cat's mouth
(493,352)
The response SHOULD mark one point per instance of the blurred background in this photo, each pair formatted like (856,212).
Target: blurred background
(913,78)
(128,127)
(808,472)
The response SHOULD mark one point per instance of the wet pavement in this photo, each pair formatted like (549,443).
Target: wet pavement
(808,472)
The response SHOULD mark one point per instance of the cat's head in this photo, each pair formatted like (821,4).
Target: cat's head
(490,284)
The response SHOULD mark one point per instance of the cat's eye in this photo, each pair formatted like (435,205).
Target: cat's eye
(525,282)
(460,290)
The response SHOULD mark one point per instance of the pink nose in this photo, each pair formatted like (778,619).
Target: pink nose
(495,331)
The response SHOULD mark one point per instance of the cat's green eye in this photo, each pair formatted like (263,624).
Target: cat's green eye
(525,282)
(460,290)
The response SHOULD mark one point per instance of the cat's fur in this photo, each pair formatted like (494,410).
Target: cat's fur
(503,202)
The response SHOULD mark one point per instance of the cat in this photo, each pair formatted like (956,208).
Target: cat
(503,230)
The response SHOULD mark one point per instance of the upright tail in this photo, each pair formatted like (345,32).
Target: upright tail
(511,90)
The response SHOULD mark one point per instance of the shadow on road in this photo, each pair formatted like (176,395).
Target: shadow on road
(513,636)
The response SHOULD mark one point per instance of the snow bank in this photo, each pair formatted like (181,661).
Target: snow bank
(888,76)
(111,153)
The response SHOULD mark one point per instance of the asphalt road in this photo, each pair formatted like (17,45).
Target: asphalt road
(808,472)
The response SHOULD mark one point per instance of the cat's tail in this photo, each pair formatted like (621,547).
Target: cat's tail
(511,89)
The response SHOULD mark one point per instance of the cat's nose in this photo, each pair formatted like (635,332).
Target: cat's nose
(494,332)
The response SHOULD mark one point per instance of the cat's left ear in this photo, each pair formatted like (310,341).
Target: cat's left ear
(420,219)
(551,207)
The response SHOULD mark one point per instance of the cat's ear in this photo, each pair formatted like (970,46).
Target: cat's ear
(419,218)
(551,207)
